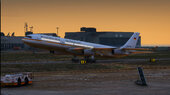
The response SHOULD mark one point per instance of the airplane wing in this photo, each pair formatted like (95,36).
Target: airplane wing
(106,51)
(103,49)
(93,49)
(96,51)
(135,50)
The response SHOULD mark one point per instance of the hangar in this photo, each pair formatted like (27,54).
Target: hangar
(111,38)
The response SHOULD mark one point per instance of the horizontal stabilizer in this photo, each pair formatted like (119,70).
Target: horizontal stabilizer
(141,52)
(103,48)
(136,49)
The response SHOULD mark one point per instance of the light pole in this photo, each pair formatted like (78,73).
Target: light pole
(57,30)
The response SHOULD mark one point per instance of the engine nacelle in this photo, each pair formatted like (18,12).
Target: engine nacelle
(117,51)
(51,51)
(87,52)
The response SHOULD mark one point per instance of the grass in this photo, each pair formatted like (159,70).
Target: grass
(40,57)
(156,54)
(14,68)
(32,57)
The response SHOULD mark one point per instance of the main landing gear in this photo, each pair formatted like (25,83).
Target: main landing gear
(87,59)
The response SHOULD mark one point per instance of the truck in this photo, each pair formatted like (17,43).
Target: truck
(19,79)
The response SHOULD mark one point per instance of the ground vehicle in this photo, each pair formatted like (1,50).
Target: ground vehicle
(17,79)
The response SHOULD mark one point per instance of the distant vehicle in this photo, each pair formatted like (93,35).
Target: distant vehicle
(17,79)
(81,48)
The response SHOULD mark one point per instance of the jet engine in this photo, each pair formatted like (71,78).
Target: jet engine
(117,51)
(87,52)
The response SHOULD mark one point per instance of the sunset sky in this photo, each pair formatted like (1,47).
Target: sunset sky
(149,17)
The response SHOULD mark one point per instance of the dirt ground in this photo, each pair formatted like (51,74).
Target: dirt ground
(95,83)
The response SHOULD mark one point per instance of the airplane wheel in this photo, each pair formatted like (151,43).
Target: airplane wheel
(91,61)
(26,81)
(19,82)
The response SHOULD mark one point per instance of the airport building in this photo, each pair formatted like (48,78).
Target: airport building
(11,42)
(110,38)
(14,43)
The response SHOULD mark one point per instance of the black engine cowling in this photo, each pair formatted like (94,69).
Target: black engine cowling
(87,52)
(117,51)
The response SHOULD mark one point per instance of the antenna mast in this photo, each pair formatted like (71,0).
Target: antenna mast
(26,27)
(57,31)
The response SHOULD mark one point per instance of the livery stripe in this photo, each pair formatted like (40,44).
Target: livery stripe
(56,43)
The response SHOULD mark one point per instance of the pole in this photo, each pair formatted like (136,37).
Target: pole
(57,30)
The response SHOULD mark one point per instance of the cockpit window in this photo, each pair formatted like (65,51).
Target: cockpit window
(29,36)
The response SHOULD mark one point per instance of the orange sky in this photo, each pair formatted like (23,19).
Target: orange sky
(149,17)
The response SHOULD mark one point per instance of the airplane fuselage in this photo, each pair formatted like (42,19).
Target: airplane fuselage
(68,46)
(75,47)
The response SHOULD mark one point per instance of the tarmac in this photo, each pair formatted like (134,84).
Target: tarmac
(97,82)
(118,82)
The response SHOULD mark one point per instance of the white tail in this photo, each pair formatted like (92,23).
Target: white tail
(131,43)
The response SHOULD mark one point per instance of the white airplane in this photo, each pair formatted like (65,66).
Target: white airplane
(81,48)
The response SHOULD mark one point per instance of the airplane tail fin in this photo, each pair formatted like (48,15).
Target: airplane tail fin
(131,43)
